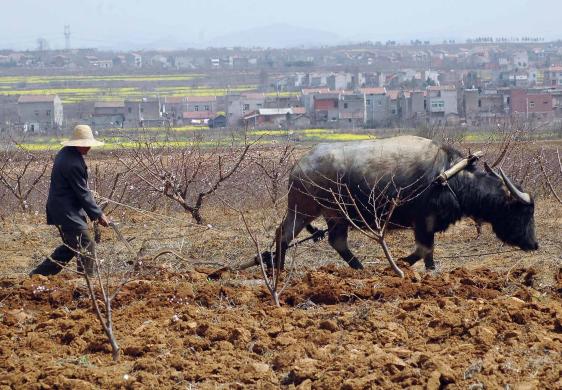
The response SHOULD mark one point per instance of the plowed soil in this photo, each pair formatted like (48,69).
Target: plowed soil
(490,317)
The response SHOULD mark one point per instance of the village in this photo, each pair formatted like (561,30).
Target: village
(476,84)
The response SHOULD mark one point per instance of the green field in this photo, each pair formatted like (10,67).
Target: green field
(13,80)
(183,137)
(75,89)
(312,134)
(75,95)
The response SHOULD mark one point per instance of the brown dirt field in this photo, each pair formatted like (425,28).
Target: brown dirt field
(491,317)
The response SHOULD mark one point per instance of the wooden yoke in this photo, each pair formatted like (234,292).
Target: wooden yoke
(462,164)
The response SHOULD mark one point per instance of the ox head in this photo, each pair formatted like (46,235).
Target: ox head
(514,221)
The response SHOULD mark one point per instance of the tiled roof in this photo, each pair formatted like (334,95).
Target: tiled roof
(351,115)
(441,88)
(37,98)
(174,99)
(373,91)
(393,94)
(308,91)
(114,104)
(299,110)
(274,111)
(253,96)
(201,99)
(198,115)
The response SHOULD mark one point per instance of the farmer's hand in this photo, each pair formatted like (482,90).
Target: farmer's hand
(103,220)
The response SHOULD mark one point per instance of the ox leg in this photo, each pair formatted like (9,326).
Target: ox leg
(337,237)
(317,234)
(291,226)
(424,247)
(424,244)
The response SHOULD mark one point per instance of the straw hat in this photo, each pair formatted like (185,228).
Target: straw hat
(82,136)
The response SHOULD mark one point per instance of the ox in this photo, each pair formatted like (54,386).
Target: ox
(405,167)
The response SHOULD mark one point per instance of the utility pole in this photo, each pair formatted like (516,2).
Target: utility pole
(67,37)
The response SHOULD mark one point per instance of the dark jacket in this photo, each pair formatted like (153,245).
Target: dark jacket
(70,200)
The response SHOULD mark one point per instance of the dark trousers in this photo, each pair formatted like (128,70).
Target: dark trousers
(74,243)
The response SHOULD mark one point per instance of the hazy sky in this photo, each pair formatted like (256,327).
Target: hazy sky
(111,22)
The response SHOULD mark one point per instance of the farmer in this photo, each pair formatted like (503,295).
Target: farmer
(69,203)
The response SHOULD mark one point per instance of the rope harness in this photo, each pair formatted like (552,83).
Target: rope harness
(443,178)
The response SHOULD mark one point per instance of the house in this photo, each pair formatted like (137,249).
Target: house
(471,97)
(535,76)
(307,97)
(377,106)
(134,60)
(491,104)
(514,79)
(239,62)
(197,118)
(412,105)
(282,101)
(102,64)
(299,118)
(326,108)
(201,103)
(109,114)
(337,81)
(173,109)
(219,121)
(520,59)
(270,118)
(317,79)
(295,80)
(240,104)
(553,76)
(40,113)
(159,61)
(119,60)
(183,62)
(442,103)
(525,104)
(273,118)
(556,102)
(485,106)
(143,113)
(351,110)
(393,103)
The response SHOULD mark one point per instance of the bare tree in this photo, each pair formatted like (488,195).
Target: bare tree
(275,168)
(21,172)
(112,188)
(188,174)
(101,286)
(271,273)
(370,219)
(546,174)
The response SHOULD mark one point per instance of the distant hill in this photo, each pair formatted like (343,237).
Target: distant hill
(276,36)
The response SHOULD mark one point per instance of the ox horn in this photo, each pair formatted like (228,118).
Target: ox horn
(523,196)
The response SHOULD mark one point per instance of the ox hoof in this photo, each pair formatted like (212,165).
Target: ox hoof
(432,270)
(410,259)
(355,264)
(430,266)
